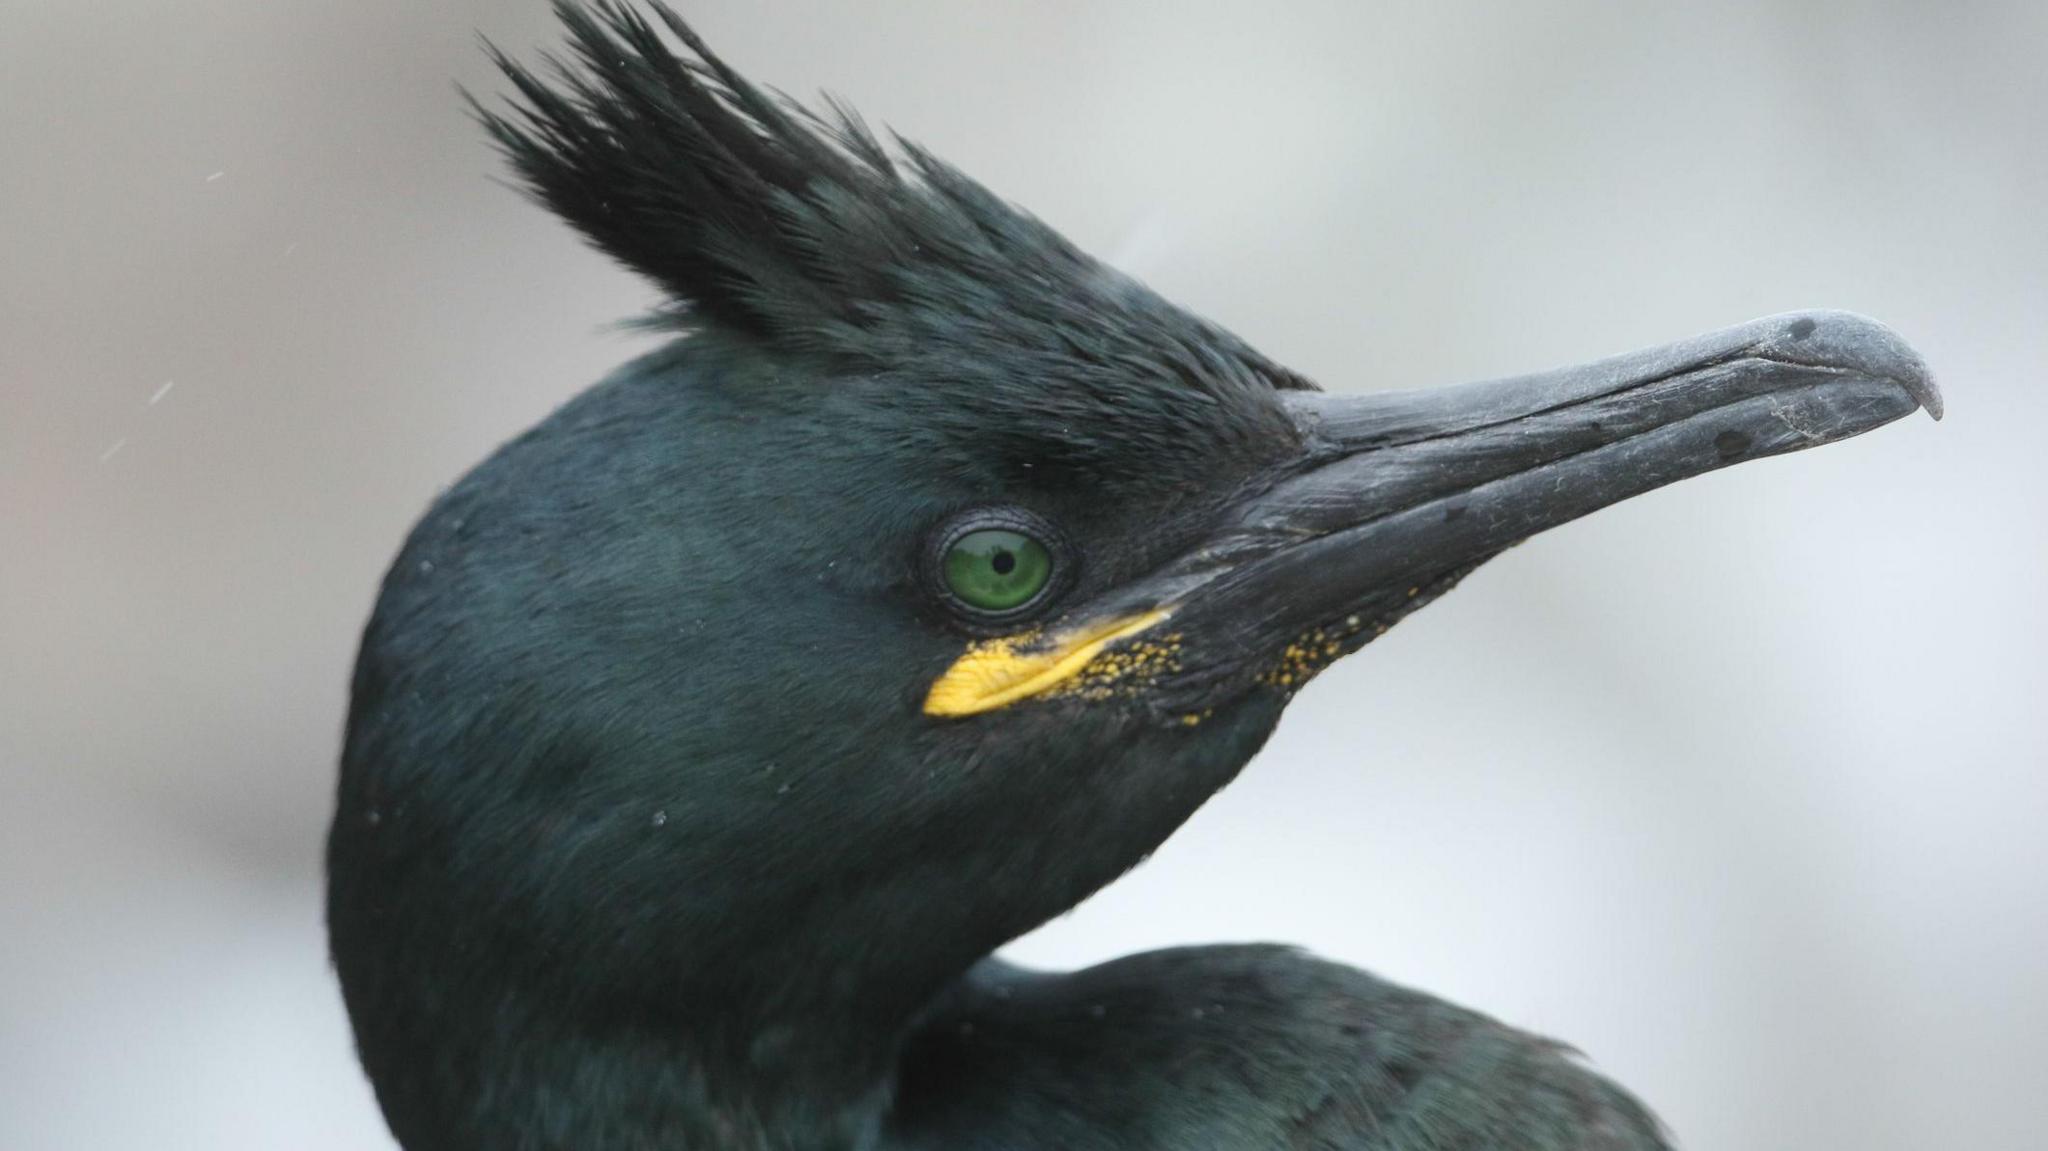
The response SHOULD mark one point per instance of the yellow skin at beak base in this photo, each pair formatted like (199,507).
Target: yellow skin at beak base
(995,673)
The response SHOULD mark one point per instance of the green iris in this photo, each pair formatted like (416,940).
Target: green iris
(996,570)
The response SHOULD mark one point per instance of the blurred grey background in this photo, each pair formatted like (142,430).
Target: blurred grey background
(1739,787)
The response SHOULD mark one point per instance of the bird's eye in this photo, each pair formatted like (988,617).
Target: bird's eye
(993,566)
(996,569)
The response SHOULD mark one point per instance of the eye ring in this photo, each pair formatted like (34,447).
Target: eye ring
(994,567)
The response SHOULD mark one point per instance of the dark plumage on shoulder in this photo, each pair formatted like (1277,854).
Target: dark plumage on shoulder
(804,231)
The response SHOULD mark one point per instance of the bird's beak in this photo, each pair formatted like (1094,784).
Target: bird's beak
(1394,496)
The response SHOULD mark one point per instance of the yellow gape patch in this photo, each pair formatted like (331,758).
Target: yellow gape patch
(998,672)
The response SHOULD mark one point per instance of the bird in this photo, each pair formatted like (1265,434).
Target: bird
(707,740)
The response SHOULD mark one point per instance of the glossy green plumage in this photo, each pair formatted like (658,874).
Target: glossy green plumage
(1241,1047)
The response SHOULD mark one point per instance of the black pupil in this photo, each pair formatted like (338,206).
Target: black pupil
(1004,561)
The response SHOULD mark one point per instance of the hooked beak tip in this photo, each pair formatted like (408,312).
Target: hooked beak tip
(1851,342)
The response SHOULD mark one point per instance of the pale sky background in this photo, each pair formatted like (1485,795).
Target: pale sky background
(1741,787)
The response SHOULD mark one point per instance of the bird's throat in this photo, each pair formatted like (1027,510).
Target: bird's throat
(532,1075)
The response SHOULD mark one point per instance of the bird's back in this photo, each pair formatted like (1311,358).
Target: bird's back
(1242,1047)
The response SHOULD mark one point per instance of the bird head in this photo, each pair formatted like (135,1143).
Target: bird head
(926,584)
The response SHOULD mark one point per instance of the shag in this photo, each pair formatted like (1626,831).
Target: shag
(708,738)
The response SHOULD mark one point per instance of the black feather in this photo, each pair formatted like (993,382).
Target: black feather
(802,229)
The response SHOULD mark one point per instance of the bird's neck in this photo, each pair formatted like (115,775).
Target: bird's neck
(527,1072)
